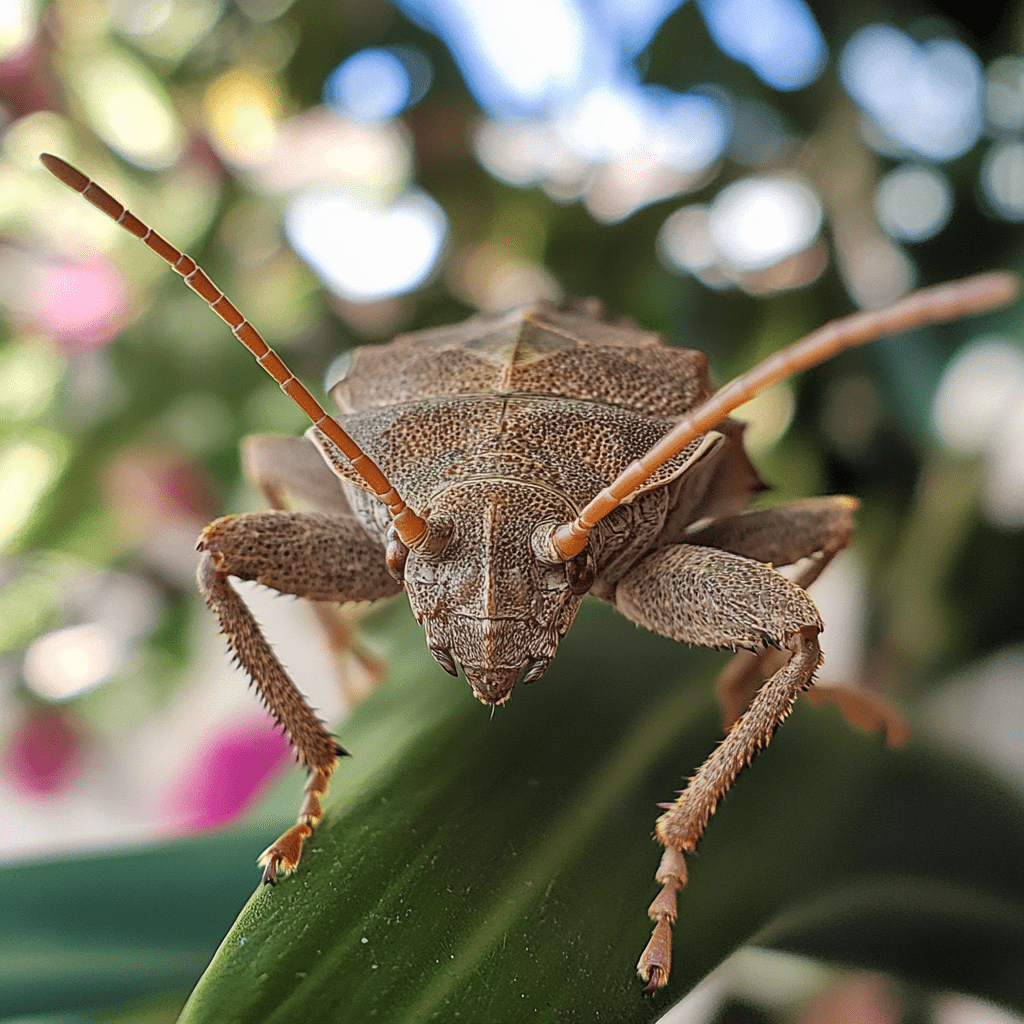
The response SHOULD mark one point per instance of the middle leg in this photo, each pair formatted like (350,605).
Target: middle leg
(814,531)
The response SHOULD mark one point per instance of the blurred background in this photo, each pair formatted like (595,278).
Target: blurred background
(731,173)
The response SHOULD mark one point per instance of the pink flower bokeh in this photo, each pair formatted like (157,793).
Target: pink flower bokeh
(84,305)
(226,776)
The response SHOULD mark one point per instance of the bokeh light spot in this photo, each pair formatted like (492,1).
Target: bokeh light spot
(17,25)
(516,58)
(876,271)
(227,775)
(140,17)
(320,148)
(29,375)
(759,234)
(1004,94)
(685,241)
(976,393)
(525,153)
(684,131)
(167,29)
(1003,490)
(377,84)
(757,222)
(913,202)
(372,85)
(767,416)
(620,147)
(778,40)
(27,471)
(928,98)
(242,109)
(979,410)
(70,661)
(45,754)
(365,253)
(603,124)
(1002,179)
(84,305)
(130,110)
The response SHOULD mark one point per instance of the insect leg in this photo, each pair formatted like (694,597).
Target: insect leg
(703,595)
(311,555)
(291,469)
(815,529)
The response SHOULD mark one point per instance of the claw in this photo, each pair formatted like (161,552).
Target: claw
(284,855)
(656,960)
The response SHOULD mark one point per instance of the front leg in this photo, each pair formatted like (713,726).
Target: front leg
(290,471)
(716,599)
(312,555)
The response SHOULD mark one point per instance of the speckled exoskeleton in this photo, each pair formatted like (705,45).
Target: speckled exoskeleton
(499,470)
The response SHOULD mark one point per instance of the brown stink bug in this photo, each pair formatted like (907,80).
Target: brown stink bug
(501,469)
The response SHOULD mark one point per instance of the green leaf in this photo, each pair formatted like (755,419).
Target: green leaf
(494,870)
(933,931)
(98,931)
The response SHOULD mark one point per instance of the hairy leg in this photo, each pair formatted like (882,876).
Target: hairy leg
(716,599)
(290,471)
(312,555)
(813,531)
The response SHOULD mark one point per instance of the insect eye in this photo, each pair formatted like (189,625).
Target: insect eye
(579,572)
(444,658)
(395,554)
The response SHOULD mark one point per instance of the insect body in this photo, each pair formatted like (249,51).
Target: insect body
(498,471)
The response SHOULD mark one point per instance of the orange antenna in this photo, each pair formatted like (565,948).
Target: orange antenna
(411,528)
(933,305)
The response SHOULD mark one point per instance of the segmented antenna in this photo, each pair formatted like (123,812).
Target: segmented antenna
(411,528)
(933,305)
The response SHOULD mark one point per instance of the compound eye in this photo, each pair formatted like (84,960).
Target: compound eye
(444,658)
(395,554)
(579,572)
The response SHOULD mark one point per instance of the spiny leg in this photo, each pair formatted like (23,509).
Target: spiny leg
(290,471)
(320,557)
(814,530)
(716,599)
(784,534)
(682,825)
(315,747)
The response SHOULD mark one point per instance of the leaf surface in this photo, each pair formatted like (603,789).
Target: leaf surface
(495,870)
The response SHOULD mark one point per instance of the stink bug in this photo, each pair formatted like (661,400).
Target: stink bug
(499,470)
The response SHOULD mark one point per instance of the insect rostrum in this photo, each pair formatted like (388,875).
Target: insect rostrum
(501,469)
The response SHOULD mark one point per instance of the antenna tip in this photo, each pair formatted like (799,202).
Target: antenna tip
(1006,286)
(63,171)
